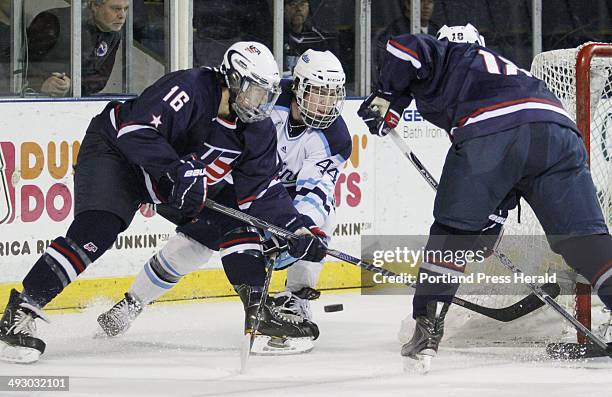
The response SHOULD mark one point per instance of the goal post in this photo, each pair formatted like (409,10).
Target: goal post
(582,79)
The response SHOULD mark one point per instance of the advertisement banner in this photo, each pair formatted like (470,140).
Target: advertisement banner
(377,192)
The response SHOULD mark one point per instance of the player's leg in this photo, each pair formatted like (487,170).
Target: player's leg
(302,277)
(244,264)
(564,199)
(300,288)
(181,255)
(477,179)
(189,249)
(104,207)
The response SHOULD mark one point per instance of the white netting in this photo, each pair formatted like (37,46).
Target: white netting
(558,70)
(531,252)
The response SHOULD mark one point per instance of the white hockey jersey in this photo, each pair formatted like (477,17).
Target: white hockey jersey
(311,162)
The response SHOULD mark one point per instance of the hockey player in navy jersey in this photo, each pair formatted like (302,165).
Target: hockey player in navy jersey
(313,143)
(182,139)
(510,138)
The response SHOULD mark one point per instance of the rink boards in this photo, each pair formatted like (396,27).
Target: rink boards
(377,192)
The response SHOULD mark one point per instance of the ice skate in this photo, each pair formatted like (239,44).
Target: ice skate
(118,319)
(18,337)
(428,332)
(278,332)
(296,303)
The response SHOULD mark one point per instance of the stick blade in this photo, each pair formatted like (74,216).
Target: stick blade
(519,309)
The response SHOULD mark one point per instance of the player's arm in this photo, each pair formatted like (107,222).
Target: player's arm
(146,129)
(148,125)
(407,58)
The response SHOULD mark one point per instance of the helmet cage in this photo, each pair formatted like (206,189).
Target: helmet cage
(319,105)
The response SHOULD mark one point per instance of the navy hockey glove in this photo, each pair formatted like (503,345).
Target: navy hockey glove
(188,177)
(381,115)
(309,245)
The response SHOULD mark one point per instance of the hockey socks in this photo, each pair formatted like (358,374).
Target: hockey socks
(60,265)
(591,256)
(90,235)
(242,257)
(180,256)
(156,278)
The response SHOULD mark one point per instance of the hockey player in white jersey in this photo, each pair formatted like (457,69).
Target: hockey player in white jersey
(313,144)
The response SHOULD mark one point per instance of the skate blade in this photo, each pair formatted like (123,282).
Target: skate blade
(18,354)
(101,334)
(267,346)
(245,352)
(420,364)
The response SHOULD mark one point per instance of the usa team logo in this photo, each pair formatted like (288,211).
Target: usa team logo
(305,58)
(253,50)
(91,247)
(218,162)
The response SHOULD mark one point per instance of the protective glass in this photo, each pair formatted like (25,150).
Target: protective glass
(255,102)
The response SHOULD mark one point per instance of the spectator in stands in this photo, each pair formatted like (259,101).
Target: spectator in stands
(301,34)
(5,45)
(401,25)
(49,47)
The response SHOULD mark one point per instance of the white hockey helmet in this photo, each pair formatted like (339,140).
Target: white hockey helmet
(318,84)
(251,74)
(461,34)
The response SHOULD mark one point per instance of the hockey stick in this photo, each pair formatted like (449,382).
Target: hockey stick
(505,261)
(607,349)
(405,149)
(505,314)
(249,338)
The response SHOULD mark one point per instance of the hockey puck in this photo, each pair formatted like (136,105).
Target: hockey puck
(333,308)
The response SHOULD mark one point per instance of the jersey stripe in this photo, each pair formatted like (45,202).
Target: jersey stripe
(150,187)
(245,203)
(507,107)
(131,128)
(403,53)
(226,123)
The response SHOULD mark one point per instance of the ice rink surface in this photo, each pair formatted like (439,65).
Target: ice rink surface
(192,349)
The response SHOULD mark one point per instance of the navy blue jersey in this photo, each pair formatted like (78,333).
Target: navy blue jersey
(466,89)
(177,116)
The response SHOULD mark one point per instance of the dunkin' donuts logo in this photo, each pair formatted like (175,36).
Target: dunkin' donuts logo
(36,180)
(7,193)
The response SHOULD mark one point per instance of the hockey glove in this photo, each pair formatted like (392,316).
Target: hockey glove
(309,246)
(381,115)
(276,248)
(188,177)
